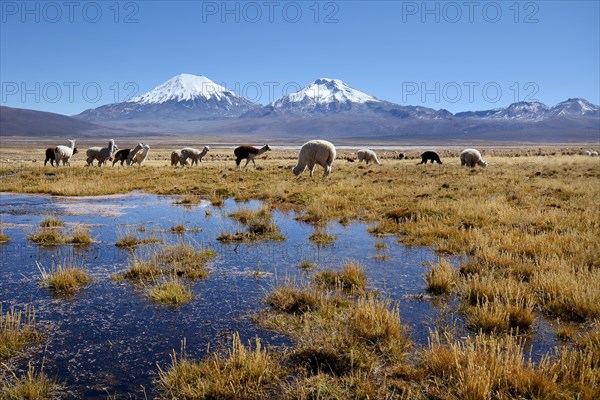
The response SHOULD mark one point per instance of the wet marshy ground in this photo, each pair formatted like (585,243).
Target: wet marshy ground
(109,337)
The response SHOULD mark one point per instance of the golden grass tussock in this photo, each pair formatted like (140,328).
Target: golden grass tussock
(4,238)
(17,330)
(64,278)
(484,367)
(170,291)
(324,386)
(244,372)
(188,200)
(295,300)
(47,237)
(569,294)
(49,234)
(259,226)
(351,278)
(377,323)
(141,270)
(33,384)
(179,229)
(496,304)
(80,235)
(441,278)
(321,237)
(130,240)
(182,260)
(307,265)
(51,222)
(338,338)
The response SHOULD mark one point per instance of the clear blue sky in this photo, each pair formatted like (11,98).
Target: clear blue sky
(59,56)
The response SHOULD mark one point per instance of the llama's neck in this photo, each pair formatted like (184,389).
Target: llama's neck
(262,150)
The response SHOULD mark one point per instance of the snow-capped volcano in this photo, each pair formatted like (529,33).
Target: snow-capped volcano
(574,107)
(534,111)
(522,110)
(183,97)
(323,95)
(185,87)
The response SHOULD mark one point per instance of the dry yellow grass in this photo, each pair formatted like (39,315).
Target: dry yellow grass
(17,330)
(130,240)
(64,278)
(521,217)
(182,260)
(170,291)
(244,372)
(80,235)
(33,384)
(526,226)
(441,278)
(259,225)
(351,278)
(488,367)
(47,237)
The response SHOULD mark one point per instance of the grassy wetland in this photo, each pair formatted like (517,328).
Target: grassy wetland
(512,290)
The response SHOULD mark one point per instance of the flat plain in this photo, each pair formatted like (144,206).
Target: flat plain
(517,242)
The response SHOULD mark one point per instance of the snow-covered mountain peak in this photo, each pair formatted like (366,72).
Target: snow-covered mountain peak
(574,106)
(324,91)
(184,87)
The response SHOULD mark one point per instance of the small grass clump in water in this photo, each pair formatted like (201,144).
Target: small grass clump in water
(242,373)
(4,238)
(381,246)
(32,385)
(80,236)
(64,278)
(294,300)
(17,330)
(141,270)
(217,201)
(244,215)
(351,278)
(50,235)
(170,291)
(321,238)
(259,226)
(51,223)
(188,200)
(441,278)
(47,237)
(130,240)
(307,265)
(180,229)
(181,260)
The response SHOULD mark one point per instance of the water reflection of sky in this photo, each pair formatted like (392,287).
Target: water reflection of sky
(109,337)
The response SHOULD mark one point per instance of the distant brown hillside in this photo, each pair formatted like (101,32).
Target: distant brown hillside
(19,121)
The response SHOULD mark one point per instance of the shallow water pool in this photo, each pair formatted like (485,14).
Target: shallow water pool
(109,337)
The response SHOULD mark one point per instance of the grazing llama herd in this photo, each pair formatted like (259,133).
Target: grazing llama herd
(312,153)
